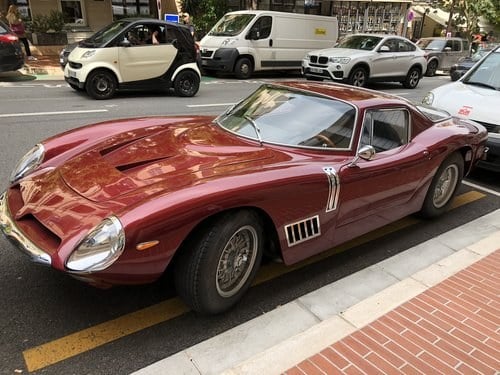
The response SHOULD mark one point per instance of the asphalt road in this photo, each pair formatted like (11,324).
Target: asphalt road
(52,324)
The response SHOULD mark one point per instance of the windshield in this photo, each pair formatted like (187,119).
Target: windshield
(363,42)
(105,35)
(231,24)
(288,117)
(432,44)
(486,73)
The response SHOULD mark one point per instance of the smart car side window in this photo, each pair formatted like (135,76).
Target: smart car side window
(385,129)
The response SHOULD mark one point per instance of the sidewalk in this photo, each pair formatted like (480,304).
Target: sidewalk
(435,308)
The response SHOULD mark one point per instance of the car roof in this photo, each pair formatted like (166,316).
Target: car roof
(359,97)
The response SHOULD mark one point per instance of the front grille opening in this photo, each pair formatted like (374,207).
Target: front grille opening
(38,233)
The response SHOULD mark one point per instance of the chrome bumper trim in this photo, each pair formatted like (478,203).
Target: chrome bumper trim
(14,234)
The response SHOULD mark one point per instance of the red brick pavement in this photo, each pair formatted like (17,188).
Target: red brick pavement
(452,328)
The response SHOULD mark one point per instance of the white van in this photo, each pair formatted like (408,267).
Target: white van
(246,41)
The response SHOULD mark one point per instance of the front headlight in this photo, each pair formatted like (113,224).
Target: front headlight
(30,161)
(339,60)
(100,248)
(428,98)
(89,54)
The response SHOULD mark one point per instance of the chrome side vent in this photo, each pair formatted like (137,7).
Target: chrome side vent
(334,188)
(302,230)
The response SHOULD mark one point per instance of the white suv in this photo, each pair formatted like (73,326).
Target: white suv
(135,54)
(361,58)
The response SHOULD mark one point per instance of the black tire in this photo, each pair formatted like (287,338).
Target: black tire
(412,78)
(358,77)
(431,68)
(101,84)
(243,69)
(186,83)
(217,265)
(443,186)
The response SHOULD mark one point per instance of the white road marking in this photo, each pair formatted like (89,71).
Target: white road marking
(52,113)
(479,187)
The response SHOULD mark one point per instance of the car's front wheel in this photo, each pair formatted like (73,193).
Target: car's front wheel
(243,68)
(186,83)
(218,263)
(431,68)
(101,84)
(443,186)
(358,77)
(412,78)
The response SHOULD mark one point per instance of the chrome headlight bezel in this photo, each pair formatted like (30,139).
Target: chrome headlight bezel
(99,249)
(428,98)
(339,60)
(29,162)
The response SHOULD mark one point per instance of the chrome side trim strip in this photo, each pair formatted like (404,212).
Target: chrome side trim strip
(14,234)
(334,188)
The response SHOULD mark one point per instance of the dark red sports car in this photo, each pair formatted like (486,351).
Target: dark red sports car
(291,171)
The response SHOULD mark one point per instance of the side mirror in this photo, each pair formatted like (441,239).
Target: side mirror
(125,43)
(366,153)
(447,49)
(384,49)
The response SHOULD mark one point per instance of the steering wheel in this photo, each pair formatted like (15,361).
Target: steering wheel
(325,139)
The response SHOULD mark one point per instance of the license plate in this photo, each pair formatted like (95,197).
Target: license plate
(72,73)
(204,62)
(316,70)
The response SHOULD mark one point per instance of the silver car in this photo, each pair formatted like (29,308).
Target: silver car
(361,58)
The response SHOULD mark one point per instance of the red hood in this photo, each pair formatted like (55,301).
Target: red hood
(180,154)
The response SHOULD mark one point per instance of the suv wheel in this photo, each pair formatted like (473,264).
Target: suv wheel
(358,77)
(101,84)
(187,83)
(412,78)
(431,68)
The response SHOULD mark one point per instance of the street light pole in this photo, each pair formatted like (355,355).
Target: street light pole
(450,18)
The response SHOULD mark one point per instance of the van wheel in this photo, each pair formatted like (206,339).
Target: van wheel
(243,68)
(412,78)
(101,84)
(431,68)
(358,77)
(187,83)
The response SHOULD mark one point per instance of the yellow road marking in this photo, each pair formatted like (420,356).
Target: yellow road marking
(79,342)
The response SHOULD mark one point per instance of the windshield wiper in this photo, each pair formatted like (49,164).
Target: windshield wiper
(255,126)
(481,84)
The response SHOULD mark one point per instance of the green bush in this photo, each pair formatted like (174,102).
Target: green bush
(48,23)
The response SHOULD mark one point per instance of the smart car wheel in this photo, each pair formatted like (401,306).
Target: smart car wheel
(186,83)
(101,84)
(243,68)
(412,78)
(431,68)
(218,263)
(358,77)
(443,186)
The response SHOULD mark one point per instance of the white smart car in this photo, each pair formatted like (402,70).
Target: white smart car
(476,96)
(135,54)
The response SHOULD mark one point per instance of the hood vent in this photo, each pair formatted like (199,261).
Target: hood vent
(302,230)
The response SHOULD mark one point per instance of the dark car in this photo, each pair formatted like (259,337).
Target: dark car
(11,54)
(293,170)
(460,68)
(63,55)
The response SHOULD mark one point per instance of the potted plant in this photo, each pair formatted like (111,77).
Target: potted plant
(47,29)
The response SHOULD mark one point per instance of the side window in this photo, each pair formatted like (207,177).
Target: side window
(385,129)
(456,46)
(262,27)
(449,44)
(465,44)
(392,44)
(137,35)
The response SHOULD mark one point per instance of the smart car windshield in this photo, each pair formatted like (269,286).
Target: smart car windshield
(363,42)
(231,24)
(486,73)
(280,115)
(105,35)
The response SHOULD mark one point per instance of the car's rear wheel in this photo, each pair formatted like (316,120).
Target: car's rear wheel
(101,84)
(186,83)
(243,68)
(218,263)
(431,68)
(358,77)
(443,186)
(412,78)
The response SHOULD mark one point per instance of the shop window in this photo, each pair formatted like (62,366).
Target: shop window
(72,12)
